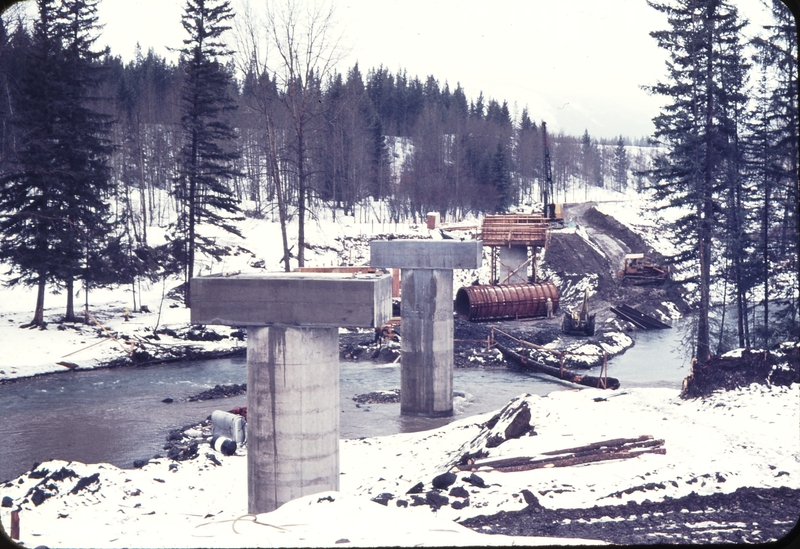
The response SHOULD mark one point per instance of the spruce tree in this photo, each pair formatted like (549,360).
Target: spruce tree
(87,176)
(32,196)
(55,188)
(694,127)
(206,160)
(620,166)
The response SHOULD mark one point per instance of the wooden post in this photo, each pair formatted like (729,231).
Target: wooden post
(15,525)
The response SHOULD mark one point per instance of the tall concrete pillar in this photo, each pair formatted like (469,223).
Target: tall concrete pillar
(511,268)
(293,415)
(426,375)
(292,322)
(426,346)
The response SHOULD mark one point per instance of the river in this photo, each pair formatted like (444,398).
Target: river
(117,415)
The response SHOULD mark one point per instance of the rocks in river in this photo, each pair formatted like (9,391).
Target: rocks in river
(379,397)
(219,391)
(7,502)
(416,489)
(459,492)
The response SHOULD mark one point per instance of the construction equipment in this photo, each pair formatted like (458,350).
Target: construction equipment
(552,211)
(638,269)
(579,322)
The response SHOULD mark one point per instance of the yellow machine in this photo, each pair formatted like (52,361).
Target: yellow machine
(579,322)
(638,269)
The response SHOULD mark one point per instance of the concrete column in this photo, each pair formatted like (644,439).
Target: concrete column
(292,414)
(510,259)
(292,322)
(426,375)
(426,386)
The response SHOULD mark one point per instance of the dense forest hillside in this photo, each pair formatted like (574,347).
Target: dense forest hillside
(96,151)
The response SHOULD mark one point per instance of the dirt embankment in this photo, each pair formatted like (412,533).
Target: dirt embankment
(592,254)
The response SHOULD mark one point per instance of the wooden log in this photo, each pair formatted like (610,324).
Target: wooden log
(598,445)
(566,375)
(572,456)
(568,461)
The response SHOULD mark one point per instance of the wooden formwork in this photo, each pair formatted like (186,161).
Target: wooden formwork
(514,230)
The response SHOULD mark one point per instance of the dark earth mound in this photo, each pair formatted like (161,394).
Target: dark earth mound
(777,367)
(748,515)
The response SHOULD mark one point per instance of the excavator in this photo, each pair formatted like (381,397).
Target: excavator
(638,269)
(579,322)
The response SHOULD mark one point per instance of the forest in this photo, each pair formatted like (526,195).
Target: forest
(94,150)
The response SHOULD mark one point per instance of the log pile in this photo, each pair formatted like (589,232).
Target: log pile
(620,448)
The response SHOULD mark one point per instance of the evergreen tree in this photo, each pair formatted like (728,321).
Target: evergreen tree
(56,186)
(500,173)
(205,164)
(86,178)
(31,195)
(774,154)
(694,128)
(620,166)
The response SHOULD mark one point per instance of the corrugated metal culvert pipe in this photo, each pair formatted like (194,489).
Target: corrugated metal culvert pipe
(505,301)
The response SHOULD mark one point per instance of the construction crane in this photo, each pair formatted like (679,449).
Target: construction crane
(552,211)
(547,188)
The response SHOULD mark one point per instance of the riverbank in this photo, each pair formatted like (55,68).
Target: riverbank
(740,445)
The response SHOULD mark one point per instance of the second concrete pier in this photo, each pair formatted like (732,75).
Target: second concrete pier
(426,287)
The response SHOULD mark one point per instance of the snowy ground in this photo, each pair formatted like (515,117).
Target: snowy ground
(741,438)
(713,445)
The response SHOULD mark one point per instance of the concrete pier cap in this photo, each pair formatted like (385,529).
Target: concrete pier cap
(426,254)
(426,348)
(292,322)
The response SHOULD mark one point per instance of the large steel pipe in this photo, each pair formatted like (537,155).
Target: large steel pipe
(505,301)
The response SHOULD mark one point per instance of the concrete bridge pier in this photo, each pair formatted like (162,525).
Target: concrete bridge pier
(513,264)
(292,322)
(426,287)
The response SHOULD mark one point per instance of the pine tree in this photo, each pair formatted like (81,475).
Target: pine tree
(55,189)
(31,195)
(774,154)
(620,166)
(695,129)
(87,177)
(205,164)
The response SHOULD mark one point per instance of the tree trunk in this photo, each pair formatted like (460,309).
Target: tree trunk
(38,314)
(70,316)
(301,197)
(190,244)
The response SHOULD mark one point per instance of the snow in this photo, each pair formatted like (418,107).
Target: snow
(713,445)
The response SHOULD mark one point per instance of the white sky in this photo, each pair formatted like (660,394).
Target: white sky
(576,64)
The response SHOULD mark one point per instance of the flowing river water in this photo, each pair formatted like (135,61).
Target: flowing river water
(117,415)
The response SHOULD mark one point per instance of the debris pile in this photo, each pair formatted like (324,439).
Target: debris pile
(742,367)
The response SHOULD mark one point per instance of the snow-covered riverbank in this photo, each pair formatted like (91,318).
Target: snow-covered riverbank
(742,438)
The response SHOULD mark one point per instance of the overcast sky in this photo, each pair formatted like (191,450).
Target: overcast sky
(576,64)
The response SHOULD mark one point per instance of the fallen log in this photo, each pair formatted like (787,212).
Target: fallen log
(566,375)
(599,451)
(616,442)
